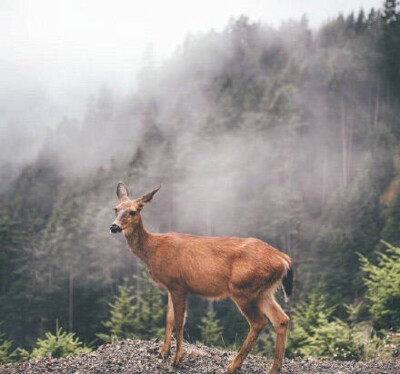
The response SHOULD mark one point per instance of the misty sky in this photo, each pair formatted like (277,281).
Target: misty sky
(55,53)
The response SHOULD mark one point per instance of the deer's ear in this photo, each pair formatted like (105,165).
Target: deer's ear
(148,197)
(122,191)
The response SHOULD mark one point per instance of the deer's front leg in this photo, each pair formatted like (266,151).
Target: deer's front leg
(179,305)
(168,328)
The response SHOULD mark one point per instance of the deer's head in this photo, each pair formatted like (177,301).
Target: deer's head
(127,212)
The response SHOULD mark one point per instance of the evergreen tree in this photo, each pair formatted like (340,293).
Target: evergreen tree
(122,322)
(317,333)
(210,329)
(60,344)
(6,354)
(390,43)
(137,311)
(383,288)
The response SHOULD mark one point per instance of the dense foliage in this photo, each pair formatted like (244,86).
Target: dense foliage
(383,288)
(137,312)
(5,350)
(62,344)
(316,333)
(284,134)
(211,331)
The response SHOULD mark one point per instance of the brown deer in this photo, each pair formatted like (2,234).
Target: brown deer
(245,269)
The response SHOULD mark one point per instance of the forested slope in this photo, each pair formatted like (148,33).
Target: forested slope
(283,134)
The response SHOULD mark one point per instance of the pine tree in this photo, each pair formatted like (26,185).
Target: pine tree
(316,333)
(137,312)
(150,307)
(60,344)
(122,322)
(210,329)
(383,287)
(6,354)
(390,43)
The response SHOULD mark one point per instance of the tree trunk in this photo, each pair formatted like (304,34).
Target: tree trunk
(70,300)
(324,181)
(350,143)
(295,257)
(344,145)
(377,104)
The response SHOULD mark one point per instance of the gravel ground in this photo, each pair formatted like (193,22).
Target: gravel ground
(136,356)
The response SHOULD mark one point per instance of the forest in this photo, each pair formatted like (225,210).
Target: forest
(286,134)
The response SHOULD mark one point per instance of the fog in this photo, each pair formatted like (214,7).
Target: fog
(56,55)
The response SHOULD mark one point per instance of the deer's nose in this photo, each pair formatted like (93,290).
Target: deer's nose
(114,228)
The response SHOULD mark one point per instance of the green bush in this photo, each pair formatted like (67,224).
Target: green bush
(6,354)
(137,312)
(389,347)
(383,288)
(317,334)
(122,320)
(305,318)
(210,330)
(60,344)
(334,340)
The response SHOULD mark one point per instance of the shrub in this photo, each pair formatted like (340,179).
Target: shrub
(305,318)
(389,346)
(317,334)
(6,355)
(60,344)
(383,288)
(135,313)
(210,329)
(334,340)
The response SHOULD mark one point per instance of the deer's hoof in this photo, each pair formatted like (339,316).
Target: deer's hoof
(164,352)
(275,370)
(177,359)
(231,369)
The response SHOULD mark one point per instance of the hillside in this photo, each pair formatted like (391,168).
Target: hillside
(138,356)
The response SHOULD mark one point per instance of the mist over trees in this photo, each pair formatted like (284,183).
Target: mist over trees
(287,135)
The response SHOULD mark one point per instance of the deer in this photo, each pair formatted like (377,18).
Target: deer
(247,270)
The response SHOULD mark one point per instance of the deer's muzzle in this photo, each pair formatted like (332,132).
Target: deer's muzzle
(114,228)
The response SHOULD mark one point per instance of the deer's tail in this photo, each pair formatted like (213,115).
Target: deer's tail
(287,283)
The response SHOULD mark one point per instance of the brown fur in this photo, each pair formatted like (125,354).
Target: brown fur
(245,269)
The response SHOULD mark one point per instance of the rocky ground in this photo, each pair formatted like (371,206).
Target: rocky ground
(136,356)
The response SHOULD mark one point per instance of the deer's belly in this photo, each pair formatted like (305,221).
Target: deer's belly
(203,287)
(214,287)
(209,293)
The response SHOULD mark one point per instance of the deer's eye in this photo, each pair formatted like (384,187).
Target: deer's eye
(116,210)
(132,212)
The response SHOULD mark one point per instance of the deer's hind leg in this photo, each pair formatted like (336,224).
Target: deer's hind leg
(249,307)
(170,319)
(280,321)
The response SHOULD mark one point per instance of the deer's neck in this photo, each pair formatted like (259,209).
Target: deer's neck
(139,242)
